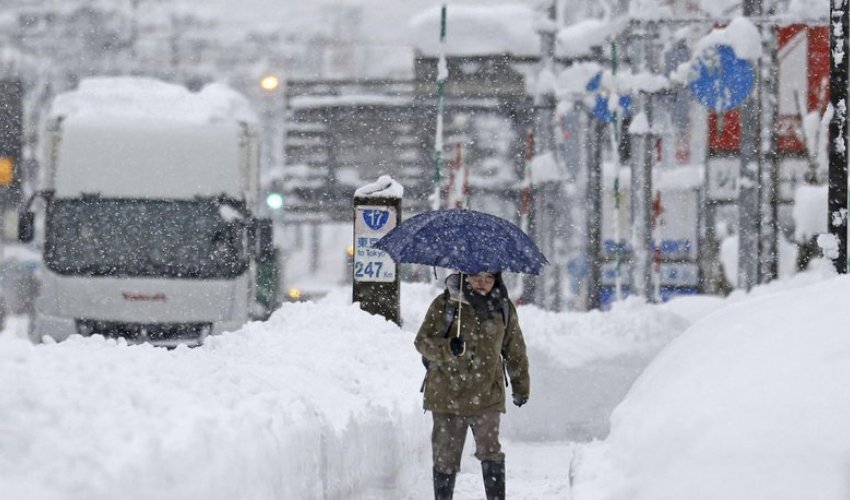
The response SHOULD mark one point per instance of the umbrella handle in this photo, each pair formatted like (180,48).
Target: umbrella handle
(459,305)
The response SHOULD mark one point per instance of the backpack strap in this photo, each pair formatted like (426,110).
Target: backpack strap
(449,313)
(506,317)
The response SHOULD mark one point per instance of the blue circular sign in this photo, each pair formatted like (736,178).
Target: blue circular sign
(601,109)
(603,112)
(720,80)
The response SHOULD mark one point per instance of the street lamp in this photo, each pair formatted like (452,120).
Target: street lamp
(269,83)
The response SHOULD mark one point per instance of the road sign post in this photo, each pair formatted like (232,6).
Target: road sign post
(376,283)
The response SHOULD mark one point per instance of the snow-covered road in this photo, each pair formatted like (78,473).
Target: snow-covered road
(320,401)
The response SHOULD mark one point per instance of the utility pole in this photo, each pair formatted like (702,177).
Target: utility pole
(837,191)
(594,211)
(541,221)
(442,76)
(770,180)
(641,183)
(749,199)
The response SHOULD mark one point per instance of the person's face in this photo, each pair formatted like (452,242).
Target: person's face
(482,283)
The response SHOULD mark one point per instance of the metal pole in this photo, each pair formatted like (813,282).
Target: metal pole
(615,151)
(442,76)
(641,185)
(770,111)
(749,199)
(594,212)
(837,194)
(541,226)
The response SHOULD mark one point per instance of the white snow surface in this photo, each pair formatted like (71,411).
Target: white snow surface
(149,99)
(741,34)
(384,187)
(810,212)
(749,403)
(579,38)
(322,401)
(480,29)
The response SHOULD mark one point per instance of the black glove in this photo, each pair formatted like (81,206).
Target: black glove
(457,346)
(520,400)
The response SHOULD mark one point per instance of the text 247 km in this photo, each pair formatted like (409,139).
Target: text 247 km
(368,270)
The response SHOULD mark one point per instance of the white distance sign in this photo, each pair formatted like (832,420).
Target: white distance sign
(370,224)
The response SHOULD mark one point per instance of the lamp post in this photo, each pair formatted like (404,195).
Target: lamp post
(271,86)
(273,118)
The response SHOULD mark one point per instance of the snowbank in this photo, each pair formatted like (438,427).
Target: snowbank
(750,403)
(318,402)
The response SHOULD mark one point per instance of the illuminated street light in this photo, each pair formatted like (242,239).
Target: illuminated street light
(270,83)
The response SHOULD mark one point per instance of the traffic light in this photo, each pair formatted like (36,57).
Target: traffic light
(274,200)
(274,196)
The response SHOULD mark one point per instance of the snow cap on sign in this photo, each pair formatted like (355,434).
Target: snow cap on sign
(384,187)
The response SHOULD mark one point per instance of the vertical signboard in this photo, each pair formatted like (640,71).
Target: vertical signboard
(803,73)
(371,223)
(375,276)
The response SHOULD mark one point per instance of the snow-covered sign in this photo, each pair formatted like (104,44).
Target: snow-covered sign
(604,109)
(720,80)
(721,74)
(371,223)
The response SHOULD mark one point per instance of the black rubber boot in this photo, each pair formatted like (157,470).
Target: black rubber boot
(494,479)
(444,485)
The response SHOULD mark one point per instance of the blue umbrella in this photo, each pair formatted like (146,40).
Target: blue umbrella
(469,241)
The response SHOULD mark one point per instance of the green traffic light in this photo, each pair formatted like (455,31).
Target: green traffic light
(274,201)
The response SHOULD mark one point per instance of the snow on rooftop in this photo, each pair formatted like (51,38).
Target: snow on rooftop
(148,99)
(578,39)
(301,102)
(478,30)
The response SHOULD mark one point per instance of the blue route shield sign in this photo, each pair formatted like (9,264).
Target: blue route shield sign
(720,80)
(375,219)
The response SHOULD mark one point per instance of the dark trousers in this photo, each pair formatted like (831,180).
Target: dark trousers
(449,435)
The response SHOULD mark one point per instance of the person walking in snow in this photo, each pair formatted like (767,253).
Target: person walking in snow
(471,344)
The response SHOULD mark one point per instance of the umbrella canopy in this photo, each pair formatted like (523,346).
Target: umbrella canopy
(469,241)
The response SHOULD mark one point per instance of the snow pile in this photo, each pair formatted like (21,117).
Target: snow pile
(321,401)
(148,99)
(290,408)
(750,403)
